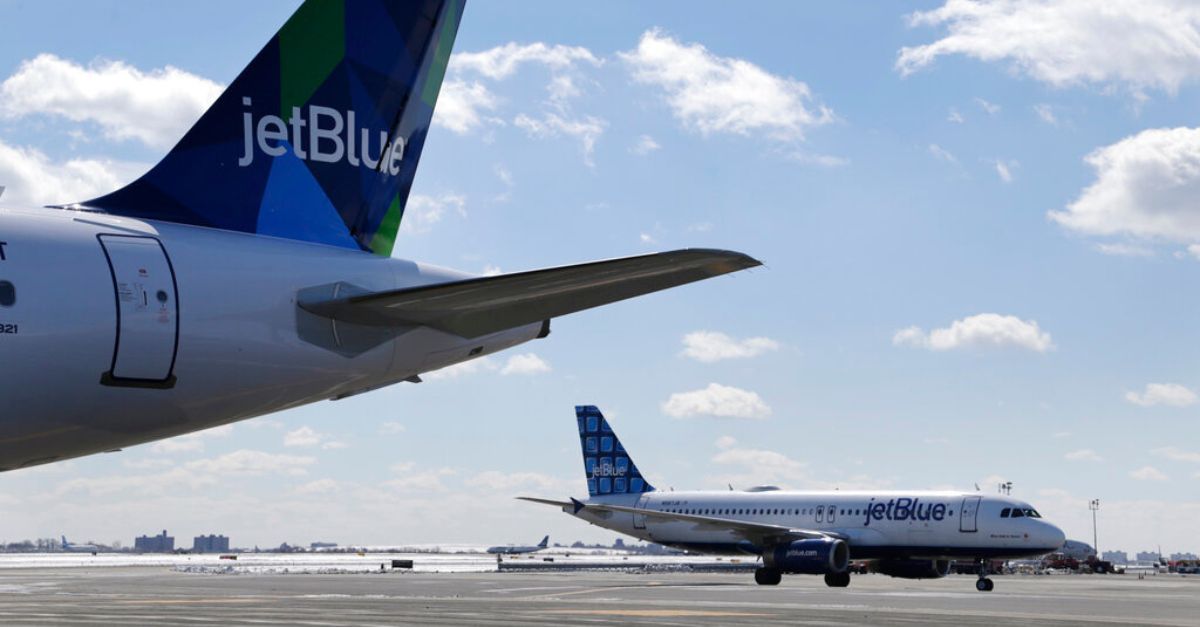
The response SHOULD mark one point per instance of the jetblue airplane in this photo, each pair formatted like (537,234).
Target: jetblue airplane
(907,534)
(71,547)
(251,271)
(518,550)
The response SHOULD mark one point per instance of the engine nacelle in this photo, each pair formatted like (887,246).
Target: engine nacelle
(819,556)
(913,569)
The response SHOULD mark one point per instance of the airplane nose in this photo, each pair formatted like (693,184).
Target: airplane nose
(1054,536)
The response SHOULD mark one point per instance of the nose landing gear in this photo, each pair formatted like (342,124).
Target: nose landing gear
(984,583)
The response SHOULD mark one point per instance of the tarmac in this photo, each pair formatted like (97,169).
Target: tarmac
(154,595)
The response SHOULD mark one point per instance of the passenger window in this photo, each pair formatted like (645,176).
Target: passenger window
(8,294)
(1004,512)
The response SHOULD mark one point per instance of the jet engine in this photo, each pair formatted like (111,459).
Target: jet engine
(819,556)
(913,569)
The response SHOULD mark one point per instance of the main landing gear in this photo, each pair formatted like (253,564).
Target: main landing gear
(837,580)
(984,583)
(767,576)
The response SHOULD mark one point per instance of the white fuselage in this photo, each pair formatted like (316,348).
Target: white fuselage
(125,331)
(916,524)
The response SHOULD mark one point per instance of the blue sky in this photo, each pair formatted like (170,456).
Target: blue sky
(975,233)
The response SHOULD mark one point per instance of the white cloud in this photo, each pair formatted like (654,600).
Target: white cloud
(1177,454)
(769,463)
(506,482)
(1146,186)
(1171,394)
(319,486)
(1148,473)
(422,211)
(1124,249)
(302,437)
(981,330)
(154,107)
(817,159)
(1004,170)
(942,154)
(391,427)
(954,116)
(587,129)
(504,174)
(716,400)
(526,363)
(490,270)
(461,105)
(712,94)
(1140,43)
(1046,113)
(711,346)
(647,239)
(33,178)
(503,61)
(1083,455)
(644,145)
(989,108)
(248,462)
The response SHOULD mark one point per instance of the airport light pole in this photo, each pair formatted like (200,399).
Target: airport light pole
(1094,505)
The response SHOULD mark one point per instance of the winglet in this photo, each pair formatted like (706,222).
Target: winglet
(577,505)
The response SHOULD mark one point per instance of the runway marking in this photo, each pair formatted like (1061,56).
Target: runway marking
(658,613)
(224,600)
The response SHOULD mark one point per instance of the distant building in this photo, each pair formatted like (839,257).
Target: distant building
(322,545)
(161,543)
(210,544)
(1147,556)
(1178,557)
(1116,557)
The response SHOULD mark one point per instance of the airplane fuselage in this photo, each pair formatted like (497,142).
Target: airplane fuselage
(122,331)
(875,525)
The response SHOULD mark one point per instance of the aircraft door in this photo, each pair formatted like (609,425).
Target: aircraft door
(639,520)
(967,514)
(147,312)
(820,513)
(831,516)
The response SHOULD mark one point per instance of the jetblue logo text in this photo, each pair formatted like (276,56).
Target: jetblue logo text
(608,470)
(319,134)
(904,508)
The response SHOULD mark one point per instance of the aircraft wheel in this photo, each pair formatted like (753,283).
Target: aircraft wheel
(837,580)
(767,576)
(984,584)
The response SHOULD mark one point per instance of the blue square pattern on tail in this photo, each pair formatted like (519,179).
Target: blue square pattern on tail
(607,465)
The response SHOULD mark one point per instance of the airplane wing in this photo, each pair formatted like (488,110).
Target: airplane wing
(479,306)
(761,534)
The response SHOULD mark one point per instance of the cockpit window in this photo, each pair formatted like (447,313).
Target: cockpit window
(1032,513)
(1016,513)
(1004,512)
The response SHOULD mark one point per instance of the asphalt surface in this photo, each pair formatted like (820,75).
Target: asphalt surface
(148,595)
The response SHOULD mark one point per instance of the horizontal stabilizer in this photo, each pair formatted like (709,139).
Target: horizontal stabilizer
(532,499)
(476,307)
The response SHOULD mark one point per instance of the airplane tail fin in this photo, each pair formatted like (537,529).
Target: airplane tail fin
(544,543)
(318,138)
(64,541)
(606,463)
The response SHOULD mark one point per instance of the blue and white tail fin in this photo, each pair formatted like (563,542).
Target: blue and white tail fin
(606,463)
(318,138)
(544,543)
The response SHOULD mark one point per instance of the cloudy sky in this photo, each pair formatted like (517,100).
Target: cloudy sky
(979,221)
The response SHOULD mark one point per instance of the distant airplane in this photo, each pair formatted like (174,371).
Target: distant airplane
(250,271)
(517,550)
(907,534)
(71,547)
(1077,549)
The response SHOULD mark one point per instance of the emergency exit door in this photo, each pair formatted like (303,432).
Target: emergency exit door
(147,312)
